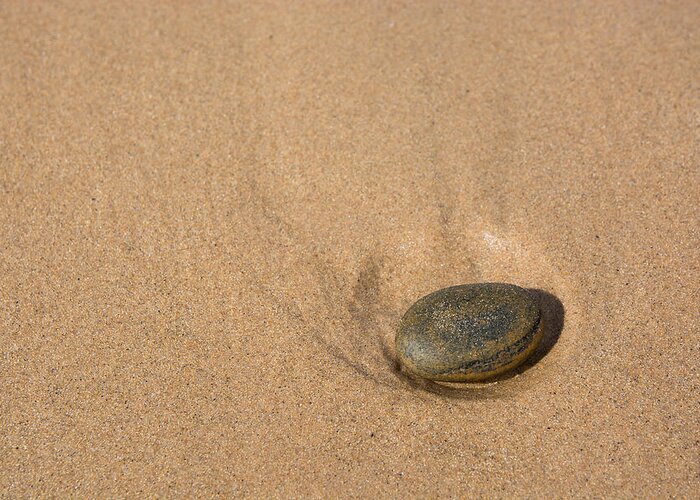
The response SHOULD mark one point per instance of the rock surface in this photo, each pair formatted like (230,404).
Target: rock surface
(469,332)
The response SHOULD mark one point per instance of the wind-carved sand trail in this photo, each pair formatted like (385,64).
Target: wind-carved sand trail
(361,294)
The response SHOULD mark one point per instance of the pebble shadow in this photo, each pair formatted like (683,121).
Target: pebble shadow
(553,315)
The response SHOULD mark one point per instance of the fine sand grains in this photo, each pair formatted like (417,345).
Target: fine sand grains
(213,215)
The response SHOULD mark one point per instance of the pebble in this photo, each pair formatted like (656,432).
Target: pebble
(469,333)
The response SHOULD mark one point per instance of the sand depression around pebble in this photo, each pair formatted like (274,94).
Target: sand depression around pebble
(361,302)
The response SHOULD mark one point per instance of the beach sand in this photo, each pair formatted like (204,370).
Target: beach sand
(212,217)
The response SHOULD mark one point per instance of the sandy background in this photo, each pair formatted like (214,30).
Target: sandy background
(212,217)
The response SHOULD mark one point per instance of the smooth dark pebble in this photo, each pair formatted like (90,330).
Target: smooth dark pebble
(470,332)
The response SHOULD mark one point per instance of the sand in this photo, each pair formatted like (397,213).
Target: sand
(212,217)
